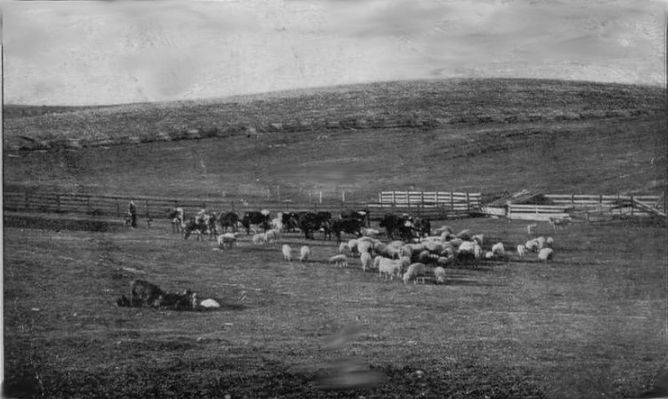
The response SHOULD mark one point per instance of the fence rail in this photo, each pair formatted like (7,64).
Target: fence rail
(157,207)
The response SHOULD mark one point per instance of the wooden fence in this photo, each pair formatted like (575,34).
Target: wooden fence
(438,199)
(157,207)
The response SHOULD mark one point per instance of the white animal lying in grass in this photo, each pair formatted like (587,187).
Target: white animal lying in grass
(339,260)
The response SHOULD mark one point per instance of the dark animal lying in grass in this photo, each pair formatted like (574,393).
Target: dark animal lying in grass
(144,293)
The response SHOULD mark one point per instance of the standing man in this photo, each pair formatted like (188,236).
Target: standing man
(132,210)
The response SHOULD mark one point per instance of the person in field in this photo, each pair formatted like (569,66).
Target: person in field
(132,212)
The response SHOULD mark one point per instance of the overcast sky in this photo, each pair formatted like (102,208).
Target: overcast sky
(118,52)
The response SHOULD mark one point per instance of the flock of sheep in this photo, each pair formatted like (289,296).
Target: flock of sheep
(423,258)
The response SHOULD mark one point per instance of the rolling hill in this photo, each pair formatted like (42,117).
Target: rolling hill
(479,135)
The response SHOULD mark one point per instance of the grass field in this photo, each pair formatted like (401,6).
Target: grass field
(590,324)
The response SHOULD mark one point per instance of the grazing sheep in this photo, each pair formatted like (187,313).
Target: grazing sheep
(405,262)
(229,239)
(439,274)
(530,228)
(287,252)
(259,239)
(549,242)
(388,267)
(546,254)
(366,260)
(479,238)
(344,248)
(498,250)
(406,250)
(466,247)
(541,242)
(531,245)
(340,260)
(521,250)
(448,251)
(415,270)
(304,253)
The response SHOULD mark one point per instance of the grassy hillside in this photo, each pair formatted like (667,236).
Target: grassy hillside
(560,137)
(413,103)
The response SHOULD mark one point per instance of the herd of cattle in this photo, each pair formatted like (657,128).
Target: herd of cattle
(212,224)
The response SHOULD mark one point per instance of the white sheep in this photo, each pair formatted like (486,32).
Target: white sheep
(344,248)
(434,247)
(521,250)
(477,251)
(445,260)
(287,252)
(229,239)
(531,245)
(415,270)
(541,242)
(546,254)
(388,267)
(559,221)
(489,255)
(549,242)
(366,260)
(405,262)
(277,224)
(387,251)
(340,260)
(406,250)
(259,239)
(498,250)
(439,274)
(304,253)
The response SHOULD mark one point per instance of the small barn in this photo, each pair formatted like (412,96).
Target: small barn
(525,205)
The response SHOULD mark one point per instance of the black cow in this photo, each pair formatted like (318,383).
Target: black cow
(350,226)
(310,222)
(228,220)
(200,226)
(261,219)
(363,216)
(422,226)
(398,226)
(290,221)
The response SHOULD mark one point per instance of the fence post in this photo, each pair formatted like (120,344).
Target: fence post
(573,200)
(468,203)
(632,205)
(320,196)
(452,202)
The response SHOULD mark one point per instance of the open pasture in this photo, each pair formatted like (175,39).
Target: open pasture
(589,324)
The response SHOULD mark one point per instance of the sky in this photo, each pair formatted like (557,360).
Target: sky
(111,52)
